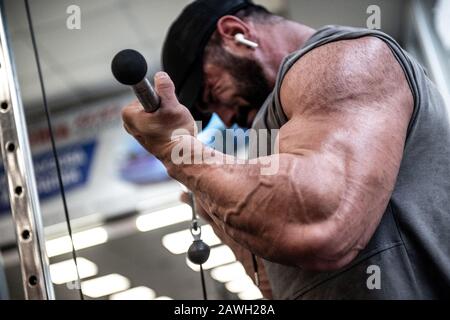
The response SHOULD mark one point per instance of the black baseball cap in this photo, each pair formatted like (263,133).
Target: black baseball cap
(182,53)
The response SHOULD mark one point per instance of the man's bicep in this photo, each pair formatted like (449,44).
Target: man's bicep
(352,92)
(349,102)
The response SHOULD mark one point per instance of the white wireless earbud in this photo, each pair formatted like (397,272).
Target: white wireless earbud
(239,38)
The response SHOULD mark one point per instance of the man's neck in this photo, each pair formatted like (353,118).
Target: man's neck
(297,35)
(281,40)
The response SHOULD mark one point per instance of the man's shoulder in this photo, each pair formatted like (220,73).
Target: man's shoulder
(342,57)
(343,69)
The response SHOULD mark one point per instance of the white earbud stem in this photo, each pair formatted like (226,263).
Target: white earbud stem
(239,38)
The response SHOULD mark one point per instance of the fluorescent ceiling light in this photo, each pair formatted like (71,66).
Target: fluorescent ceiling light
(228,272)
(179,242)
(250,294)
(81,240)
(137,293)
(105,285)
(163,218)
(163,298)
(218,256)
(65,271)
(240,284)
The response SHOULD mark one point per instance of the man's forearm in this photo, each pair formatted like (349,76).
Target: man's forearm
(255,210)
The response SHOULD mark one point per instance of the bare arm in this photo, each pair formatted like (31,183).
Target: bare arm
(348,106)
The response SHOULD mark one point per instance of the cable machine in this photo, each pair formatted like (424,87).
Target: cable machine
(19,172)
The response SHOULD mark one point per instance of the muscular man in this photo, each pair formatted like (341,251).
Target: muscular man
(360,204)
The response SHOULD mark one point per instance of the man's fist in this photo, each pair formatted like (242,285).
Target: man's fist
(159,131)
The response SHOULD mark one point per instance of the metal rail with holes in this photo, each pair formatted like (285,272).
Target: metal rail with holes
(20,176)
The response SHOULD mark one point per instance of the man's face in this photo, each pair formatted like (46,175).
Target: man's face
(235,90)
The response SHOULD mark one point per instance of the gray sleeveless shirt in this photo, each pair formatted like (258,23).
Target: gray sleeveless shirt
(409,252)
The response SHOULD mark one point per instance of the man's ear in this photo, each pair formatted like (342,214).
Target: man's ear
(228,26)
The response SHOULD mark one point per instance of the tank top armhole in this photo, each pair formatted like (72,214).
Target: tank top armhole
(344,33)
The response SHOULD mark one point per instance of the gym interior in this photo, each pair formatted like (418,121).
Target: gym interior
(119,211)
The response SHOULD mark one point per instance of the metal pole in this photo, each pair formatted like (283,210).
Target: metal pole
(19,171)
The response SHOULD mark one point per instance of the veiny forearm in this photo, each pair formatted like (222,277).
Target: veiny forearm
(264,213)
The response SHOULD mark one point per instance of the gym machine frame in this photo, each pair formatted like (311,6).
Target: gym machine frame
(20,176)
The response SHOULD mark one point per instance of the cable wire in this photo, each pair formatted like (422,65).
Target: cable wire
(202,277)
(53,143)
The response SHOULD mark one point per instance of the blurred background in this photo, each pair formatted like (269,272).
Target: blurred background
(131,230)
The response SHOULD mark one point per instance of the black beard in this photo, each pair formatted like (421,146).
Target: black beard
(251,83)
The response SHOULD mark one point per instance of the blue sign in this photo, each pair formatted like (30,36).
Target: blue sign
(140,167)
(75,162)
